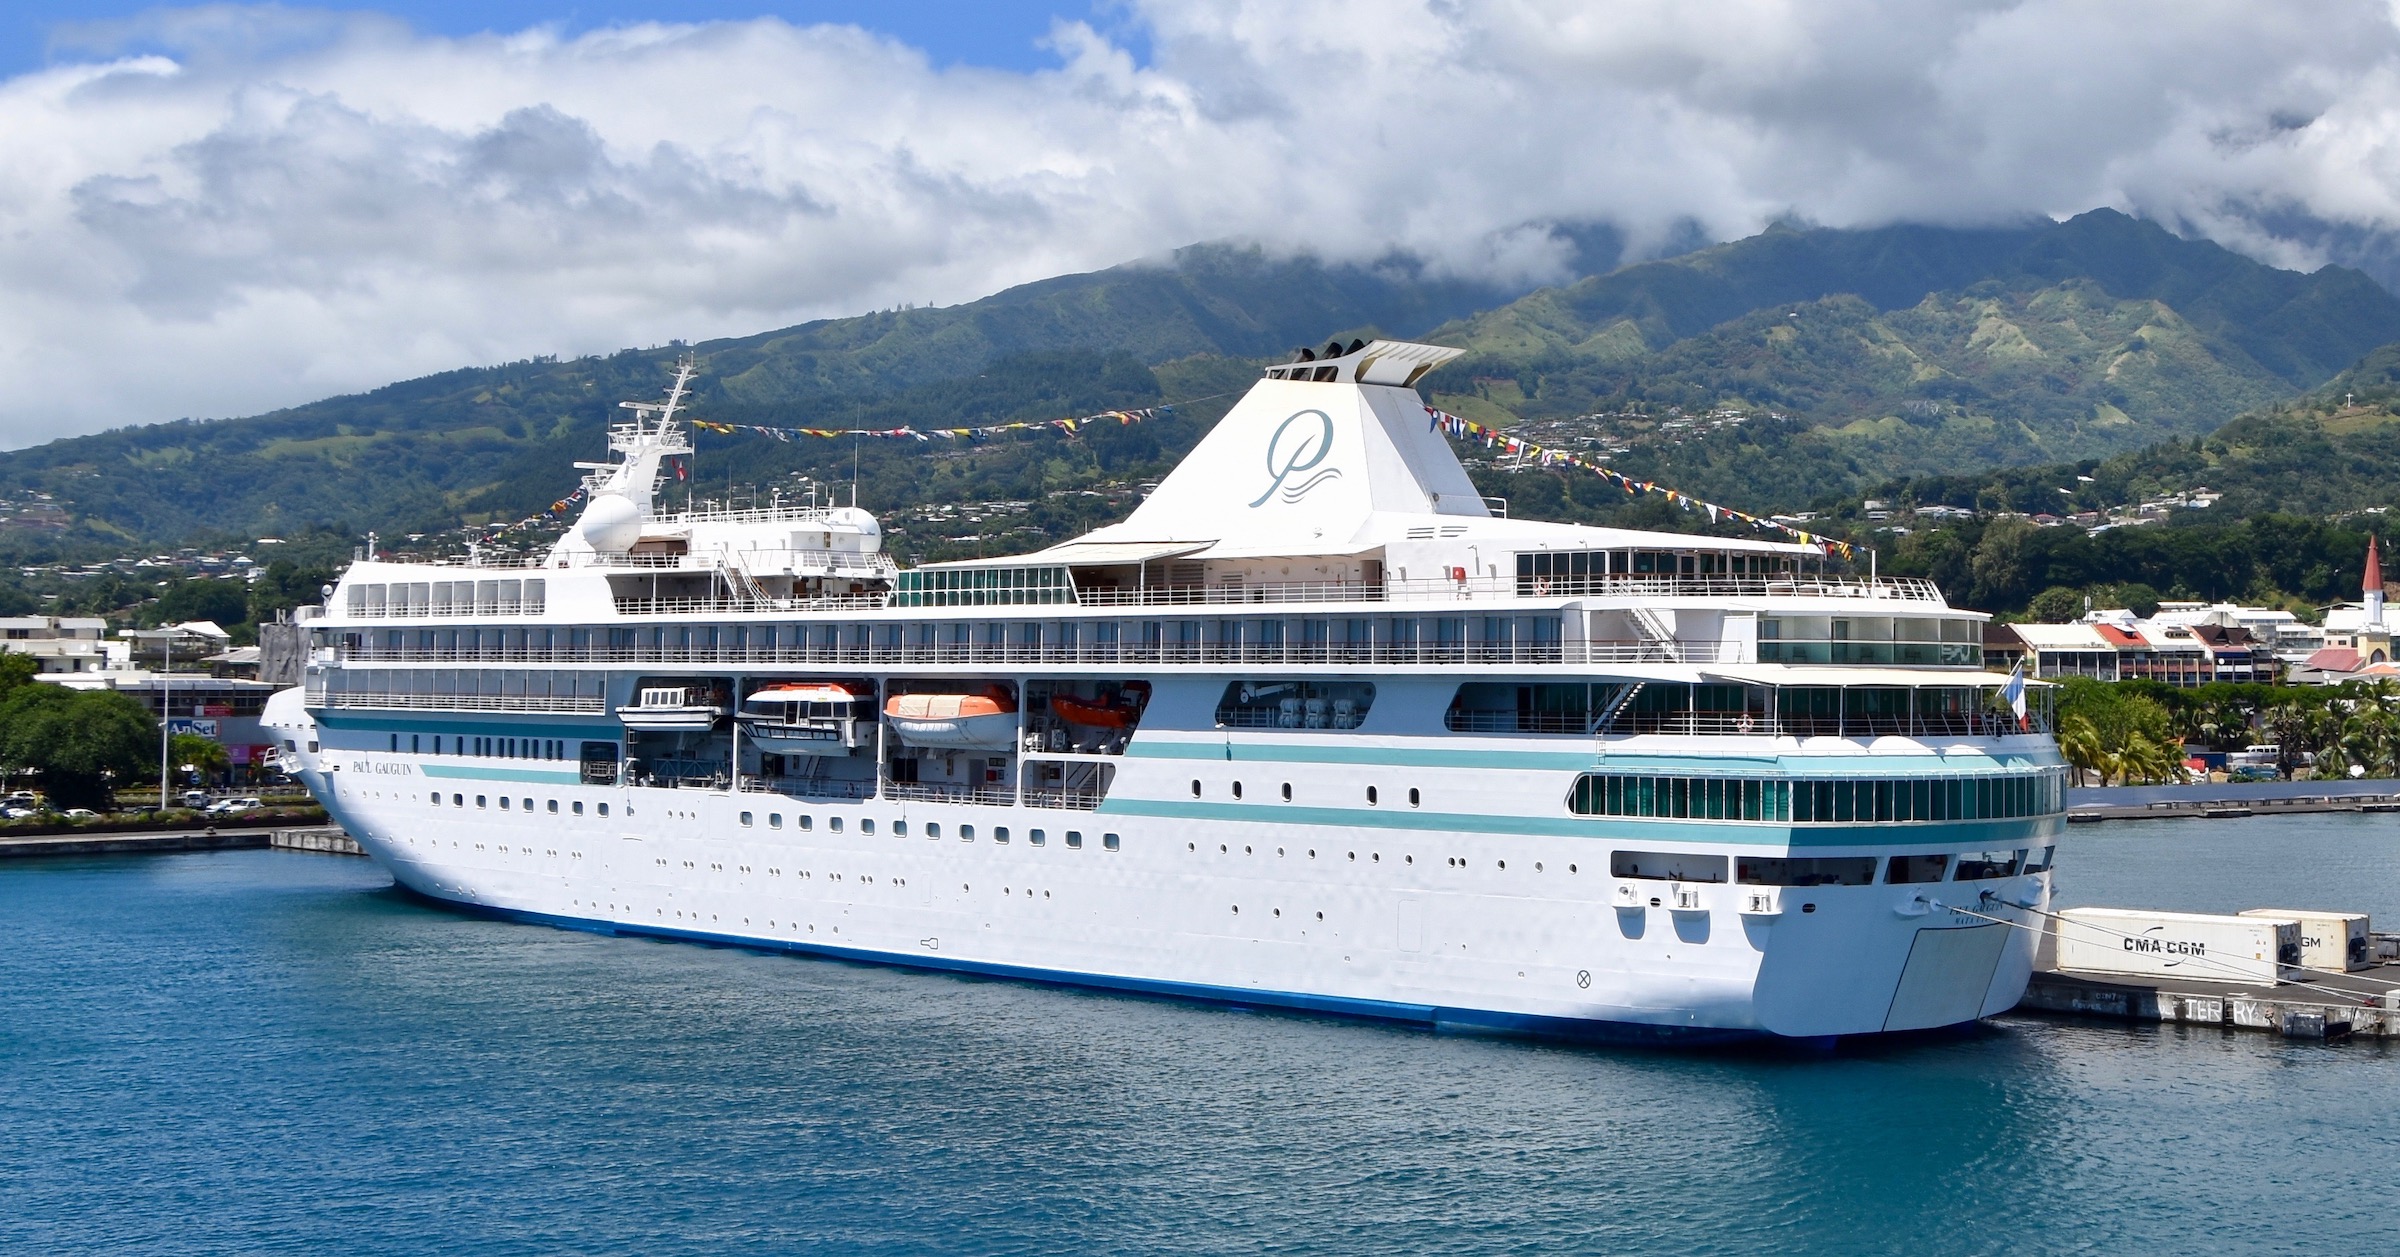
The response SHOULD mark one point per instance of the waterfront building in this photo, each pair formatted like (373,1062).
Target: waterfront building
(63,643)
(1318,727)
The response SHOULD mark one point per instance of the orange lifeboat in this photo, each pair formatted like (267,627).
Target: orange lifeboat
(1122,712)
(967,722)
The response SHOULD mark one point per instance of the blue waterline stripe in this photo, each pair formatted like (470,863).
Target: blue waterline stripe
(1426,1015)
(601,728)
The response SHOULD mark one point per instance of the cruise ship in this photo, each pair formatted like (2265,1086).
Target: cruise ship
(1317,727)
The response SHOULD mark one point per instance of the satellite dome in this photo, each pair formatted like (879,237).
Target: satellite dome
(612,523)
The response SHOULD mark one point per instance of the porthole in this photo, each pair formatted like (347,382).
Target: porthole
(1287,792)
(577,807)
(1075,839)
(458,800)
(1246,850)
(437,799)
(1237,789)
(1000,834)
(1109,842)
(1408,859)
(1370,796)
(1354,856)
(966,833)
(899,829)
(866,825)
(1035,837)
(774,820)
(1412,796)
(604,809)
(553,808)
(805,822)
(1503,863)
(479,800)
(933,829)
(745,820)
(1195,787)
(834,823)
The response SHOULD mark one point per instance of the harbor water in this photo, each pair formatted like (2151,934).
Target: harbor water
(256,1052)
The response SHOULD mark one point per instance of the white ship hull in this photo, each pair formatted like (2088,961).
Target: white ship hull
(1429,916)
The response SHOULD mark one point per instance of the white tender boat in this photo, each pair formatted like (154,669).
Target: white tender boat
(803,719)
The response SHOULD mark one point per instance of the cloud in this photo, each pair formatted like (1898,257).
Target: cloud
(266,205)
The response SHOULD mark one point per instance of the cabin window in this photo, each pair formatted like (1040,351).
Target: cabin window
(1280,704)
(1370,796)
(458,800)
(1237,790)
(1195,787)
(774,820)
(805,821)
(1108,842)
(1000,834)
(528,805)
(1977,865)
(1669,866)
(1034,837)
(1287,792)
(1819,871)
(1075,839)
(604,809)
(866,825)
(553,808)
(966,833)
(437,799)
(1903,870)
(577,807)
(745,820)
(1413,797)
(933,829)
(479,802)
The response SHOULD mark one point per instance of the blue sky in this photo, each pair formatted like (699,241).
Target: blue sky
(1000,34)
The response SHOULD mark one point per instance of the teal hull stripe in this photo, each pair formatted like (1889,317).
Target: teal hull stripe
(1433,757)
(1906,836)
(601,728)
(532,776)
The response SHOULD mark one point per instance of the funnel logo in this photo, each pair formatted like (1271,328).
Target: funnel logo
(1293,454)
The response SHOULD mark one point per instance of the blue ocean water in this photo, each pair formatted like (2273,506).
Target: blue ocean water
(264,1052)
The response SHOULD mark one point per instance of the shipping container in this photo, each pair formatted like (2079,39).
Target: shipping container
(2333,941)
(2189,945)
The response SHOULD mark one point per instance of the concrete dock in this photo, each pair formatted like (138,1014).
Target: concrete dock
(2227,800)
(324,838)
(2324,1006)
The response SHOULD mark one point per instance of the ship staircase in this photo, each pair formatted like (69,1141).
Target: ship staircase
(1607,720)
(1655,633)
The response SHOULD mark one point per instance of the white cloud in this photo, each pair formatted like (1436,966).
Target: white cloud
(283,204)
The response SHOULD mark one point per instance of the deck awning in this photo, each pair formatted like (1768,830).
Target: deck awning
(1083,554)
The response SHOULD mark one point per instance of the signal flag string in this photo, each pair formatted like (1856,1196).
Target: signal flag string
(1492,438)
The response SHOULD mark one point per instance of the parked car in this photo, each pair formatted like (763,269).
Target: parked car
(231,807)
(195,798)
(21,798)
(18,812)
(80,814)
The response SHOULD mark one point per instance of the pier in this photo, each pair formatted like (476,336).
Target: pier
(2227,800)
(328,839)
(2323,1005)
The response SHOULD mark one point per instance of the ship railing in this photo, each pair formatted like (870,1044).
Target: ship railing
(848,656)
(808,787)
(945,792)
(567,703)
(1082,800)
(1490,588)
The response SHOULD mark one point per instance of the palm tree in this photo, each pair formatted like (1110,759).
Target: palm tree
(2080,743)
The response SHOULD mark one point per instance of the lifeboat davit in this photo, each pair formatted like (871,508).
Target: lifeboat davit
(801,718)
(961,722)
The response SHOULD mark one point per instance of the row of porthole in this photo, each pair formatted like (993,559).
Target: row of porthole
(1373,857)
(1415,797)
(460,800)
(1237,911)
(933,830)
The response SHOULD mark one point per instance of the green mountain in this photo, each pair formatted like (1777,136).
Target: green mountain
(1771,372)
(500,441)
(1851,355)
